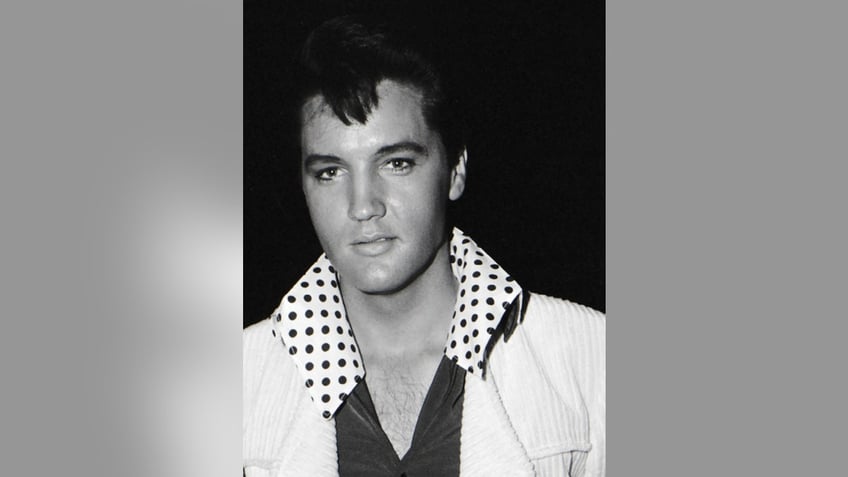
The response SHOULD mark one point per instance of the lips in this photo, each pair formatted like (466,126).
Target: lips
(381,239)
(371,238)
(373,245)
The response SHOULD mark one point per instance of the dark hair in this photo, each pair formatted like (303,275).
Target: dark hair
(345,58)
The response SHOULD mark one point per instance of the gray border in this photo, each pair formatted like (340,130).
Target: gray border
(726,230)
(120,198)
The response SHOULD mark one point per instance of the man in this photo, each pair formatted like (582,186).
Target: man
(406,349)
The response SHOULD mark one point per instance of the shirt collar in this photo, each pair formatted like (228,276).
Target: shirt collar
(313,326)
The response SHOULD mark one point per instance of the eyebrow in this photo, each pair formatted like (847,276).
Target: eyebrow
(400,147)
(321,158)
(406,146)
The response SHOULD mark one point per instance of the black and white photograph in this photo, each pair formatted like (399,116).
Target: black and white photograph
(424,257)
(381,238)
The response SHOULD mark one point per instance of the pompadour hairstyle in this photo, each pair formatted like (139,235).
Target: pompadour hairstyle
(345,58)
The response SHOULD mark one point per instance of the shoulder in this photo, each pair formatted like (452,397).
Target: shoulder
(566,338)
(554,333)
(268,376)
(548,318)
(264,357)
(258,340)
(259,332)
(261,350)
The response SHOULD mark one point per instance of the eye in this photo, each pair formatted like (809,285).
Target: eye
(327,174)
(399,166)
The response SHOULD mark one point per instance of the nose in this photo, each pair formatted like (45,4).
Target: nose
(366,201)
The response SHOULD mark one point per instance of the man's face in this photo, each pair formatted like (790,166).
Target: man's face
(377,192)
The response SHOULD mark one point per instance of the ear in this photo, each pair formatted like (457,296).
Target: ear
(457,186)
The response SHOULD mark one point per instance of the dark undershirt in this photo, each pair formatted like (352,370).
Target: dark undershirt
(365,450)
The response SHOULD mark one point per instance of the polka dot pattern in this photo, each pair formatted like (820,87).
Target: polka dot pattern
(313,327)
(486,291)
(314,330)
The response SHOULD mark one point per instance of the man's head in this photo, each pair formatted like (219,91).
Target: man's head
(344,59)
(377,172)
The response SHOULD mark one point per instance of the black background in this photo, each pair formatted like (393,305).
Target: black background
(534,198)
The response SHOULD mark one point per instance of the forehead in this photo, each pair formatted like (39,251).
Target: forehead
(397,118)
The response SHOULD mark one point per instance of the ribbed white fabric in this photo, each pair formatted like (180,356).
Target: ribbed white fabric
(540,410)
(487,432)
(559,353)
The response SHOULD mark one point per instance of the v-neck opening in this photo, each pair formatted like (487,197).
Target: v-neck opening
(436,431)
(425,405)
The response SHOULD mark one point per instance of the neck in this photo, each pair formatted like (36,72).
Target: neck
(414,319)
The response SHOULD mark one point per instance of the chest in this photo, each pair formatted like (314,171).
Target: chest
(398,390)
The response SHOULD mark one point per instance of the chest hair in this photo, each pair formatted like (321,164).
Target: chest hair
(398,391)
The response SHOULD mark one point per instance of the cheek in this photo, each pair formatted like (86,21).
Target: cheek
(426,203)
(324,210)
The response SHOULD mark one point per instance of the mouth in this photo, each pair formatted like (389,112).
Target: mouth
(369,239)
(375,240)
(372,246)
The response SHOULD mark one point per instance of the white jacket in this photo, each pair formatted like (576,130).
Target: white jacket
(540,410)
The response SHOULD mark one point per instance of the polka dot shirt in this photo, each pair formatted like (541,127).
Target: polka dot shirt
(312,325)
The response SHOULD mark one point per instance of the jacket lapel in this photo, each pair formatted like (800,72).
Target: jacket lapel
(489,444)
(287,434)
(311,449)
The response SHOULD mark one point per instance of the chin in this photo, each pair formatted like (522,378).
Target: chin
(377,282)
